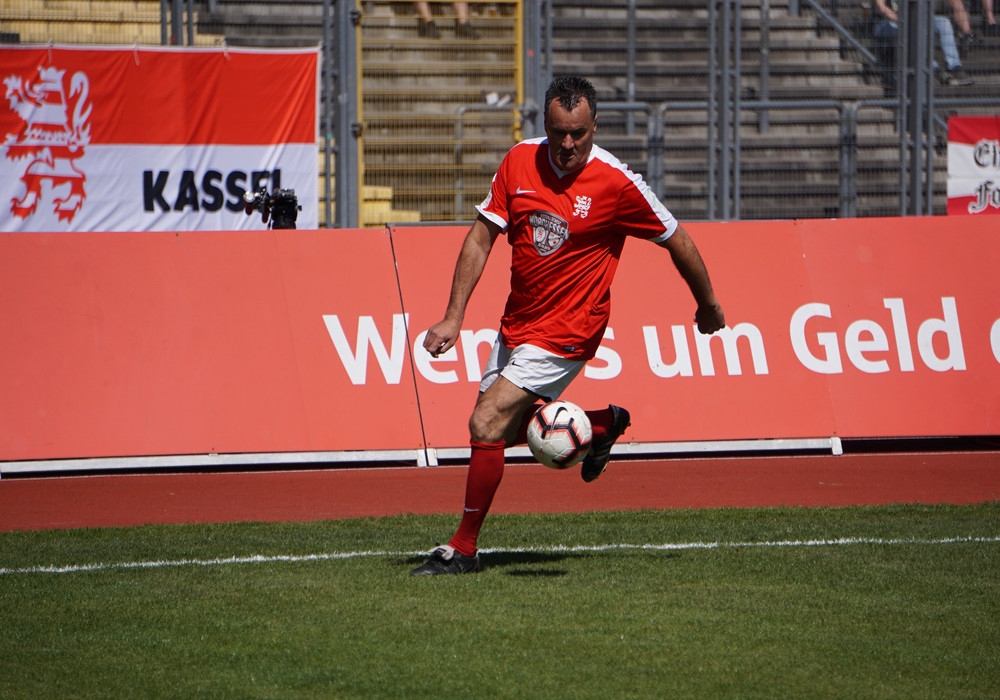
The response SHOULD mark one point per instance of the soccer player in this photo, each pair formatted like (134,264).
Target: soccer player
(566,206)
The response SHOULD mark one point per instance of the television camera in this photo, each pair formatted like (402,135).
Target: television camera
(282,207)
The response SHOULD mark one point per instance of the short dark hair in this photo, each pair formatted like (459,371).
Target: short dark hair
(569,90)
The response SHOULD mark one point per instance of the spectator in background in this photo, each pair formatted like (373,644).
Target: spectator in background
(960,13)
(960,16)
(427,28)
(990,26)
(886,33)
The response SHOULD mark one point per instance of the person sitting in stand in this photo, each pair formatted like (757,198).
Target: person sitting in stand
(886,33)
(427,28)
(990,26)
(960,13)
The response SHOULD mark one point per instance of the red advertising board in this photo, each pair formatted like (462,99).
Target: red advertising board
(200,343)
(860,328)
(309,341)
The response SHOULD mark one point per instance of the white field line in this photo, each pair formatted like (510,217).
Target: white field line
(553,549)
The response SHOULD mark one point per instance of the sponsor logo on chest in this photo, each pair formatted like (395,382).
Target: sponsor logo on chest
(548,231)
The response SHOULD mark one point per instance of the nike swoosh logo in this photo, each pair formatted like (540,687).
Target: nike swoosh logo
(520,191)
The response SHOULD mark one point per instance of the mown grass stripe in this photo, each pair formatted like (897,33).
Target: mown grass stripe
(553,549)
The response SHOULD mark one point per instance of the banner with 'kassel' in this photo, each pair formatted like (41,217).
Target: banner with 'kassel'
(153,139)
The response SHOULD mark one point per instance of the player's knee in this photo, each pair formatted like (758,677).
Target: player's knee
(484,426)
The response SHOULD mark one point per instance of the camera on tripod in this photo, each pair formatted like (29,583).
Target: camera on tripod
(282,208)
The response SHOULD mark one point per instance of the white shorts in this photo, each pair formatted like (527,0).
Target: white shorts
(530,368)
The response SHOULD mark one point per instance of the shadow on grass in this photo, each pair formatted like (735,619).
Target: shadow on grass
(525,563)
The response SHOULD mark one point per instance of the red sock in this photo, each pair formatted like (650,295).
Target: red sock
(600,422)
(481,483)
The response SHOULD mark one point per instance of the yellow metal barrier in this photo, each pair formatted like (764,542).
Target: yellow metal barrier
(439,111)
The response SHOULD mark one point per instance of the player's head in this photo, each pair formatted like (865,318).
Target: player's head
(570,121)
(568,91)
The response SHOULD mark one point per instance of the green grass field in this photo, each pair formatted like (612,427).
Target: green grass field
(871,602)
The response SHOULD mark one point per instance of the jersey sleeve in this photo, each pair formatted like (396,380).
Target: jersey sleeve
(494,207)
(642,214)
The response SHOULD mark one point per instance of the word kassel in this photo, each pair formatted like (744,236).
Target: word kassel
(162,192)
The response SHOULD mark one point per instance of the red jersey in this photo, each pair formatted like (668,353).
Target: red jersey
(566,232)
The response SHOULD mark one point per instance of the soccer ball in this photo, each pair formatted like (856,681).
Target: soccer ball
(559,434)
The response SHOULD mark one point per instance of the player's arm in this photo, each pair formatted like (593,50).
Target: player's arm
(476,248)
(689,263)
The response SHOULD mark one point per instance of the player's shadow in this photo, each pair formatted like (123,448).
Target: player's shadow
(517,563)
(525,564)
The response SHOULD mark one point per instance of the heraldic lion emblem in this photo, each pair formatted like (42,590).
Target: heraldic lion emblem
(53,137)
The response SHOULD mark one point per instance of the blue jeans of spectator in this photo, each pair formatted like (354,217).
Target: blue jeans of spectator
(886,33)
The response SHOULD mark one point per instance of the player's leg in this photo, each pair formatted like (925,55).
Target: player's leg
(493,426)
(607,426)
(504,405)
(507,393)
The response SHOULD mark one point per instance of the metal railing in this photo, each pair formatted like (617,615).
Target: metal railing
(860,153)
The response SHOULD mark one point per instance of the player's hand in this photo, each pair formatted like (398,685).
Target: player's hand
(710,319)
(441,337)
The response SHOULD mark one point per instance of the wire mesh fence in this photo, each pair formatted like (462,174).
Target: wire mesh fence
(757,109)
(439,107)
(102,22)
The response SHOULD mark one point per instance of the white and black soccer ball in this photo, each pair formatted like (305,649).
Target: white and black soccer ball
(559,434)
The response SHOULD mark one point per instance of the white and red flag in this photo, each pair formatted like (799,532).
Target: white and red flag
(974,165)
(154,139)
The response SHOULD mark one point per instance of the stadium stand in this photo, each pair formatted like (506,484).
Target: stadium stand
(428,122)
(438,114)
(85,22)
(423,126)
(805,60)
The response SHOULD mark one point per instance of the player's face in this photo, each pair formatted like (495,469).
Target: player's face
(571,134)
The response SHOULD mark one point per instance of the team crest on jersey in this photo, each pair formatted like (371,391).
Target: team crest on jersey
(51,140)
(548,231)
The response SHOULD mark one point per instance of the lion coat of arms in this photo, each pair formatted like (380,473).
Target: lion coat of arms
(53,137)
